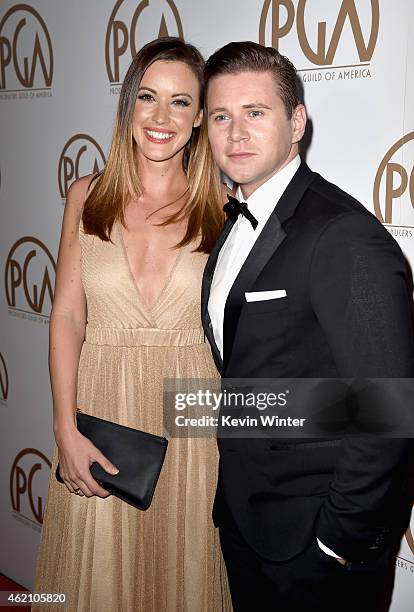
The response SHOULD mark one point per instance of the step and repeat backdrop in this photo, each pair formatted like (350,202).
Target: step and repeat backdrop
(61,68)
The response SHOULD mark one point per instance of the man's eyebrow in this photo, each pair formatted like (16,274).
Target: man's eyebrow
(257,105)
(247,106)
(218,109)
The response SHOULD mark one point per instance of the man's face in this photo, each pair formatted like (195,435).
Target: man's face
(250,134)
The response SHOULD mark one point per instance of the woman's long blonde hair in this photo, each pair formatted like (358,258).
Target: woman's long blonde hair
(120,181)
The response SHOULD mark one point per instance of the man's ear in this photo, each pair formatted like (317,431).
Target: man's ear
(298,122)
(198,118)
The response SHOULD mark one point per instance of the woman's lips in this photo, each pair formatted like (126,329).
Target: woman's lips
(159,136)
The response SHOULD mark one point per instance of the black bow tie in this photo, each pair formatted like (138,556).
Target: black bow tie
(234,208)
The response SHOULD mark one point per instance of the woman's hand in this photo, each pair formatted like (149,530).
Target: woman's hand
(76,455)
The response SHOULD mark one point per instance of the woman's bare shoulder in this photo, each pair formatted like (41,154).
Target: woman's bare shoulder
(77,191)
(77,194)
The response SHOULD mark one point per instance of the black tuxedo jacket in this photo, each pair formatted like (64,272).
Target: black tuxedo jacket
(347,313)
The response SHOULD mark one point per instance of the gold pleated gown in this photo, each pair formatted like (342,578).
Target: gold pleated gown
(105,555)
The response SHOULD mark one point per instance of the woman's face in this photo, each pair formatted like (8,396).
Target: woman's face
(166,110)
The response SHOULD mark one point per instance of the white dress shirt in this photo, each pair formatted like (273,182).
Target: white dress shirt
(240,242)
(237,247)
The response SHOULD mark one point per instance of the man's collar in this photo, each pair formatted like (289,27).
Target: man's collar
(262,201)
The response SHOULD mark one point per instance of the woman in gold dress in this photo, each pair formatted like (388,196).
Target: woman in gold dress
(126,315)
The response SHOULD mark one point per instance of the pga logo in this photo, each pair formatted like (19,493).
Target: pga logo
(393,192)
(29,476)
(26,53)
(131,25)
(81,155)
(30,276)
(321,34)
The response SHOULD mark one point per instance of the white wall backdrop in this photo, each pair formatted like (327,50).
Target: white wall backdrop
(61,63)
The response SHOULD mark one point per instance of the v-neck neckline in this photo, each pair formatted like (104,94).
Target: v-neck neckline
(148,307)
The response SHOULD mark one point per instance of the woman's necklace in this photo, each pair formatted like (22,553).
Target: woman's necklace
(169,203)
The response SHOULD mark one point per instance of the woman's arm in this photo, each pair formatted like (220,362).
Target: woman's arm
(68,318)
(67,332)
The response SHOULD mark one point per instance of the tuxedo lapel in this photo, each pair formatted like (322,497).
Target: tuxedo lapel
(205,291)
(270,239)
(268,242)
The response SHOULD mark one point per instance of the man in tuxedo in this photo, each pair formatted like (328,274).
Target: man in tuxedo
(303,282)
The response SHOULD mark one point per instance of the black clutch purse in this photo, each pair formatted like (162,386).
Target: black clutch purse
(138,456)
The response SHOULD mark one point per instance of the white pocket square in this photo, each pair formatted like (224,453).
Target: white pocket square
(261,296)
